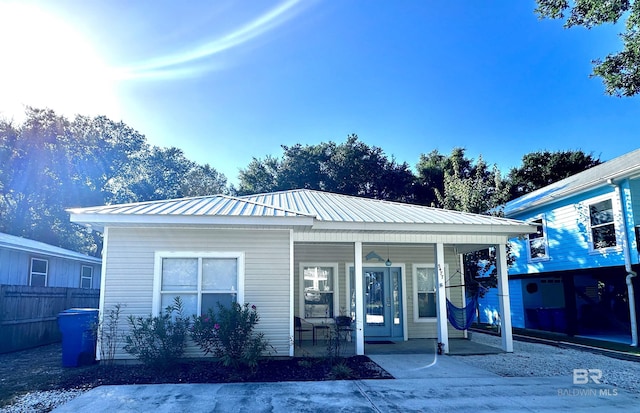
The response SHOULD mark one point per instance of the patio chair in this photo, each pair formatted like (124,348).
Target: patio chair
(302,326)
(343,324)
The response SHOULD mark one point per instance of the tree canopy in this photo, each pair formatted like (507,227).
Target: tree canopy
(50,163)
(619,71)
(352,168)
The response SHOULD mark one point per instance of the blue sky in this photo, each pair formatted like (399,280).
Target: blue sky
(227,81)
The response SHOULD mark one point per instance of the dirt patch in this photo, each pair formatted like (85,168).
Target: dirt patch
(41,369)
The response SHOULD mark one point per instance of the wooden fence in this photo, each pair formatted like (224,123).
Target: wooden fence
(29,315)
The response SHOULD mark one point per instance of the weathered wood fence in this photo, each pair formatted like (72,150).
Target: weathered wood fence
(29,315)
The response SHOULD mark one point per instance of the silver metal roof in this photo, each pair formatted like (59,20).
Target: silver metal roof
(330,207)
(215,205)
(301,203)
(622,167)
(37,247)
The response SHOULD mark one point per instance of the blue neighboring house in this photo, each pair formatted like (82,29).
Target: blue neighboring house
(577,274)
(28,262)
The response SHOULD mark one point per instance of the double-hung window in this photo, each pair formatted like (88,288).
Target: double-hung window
(201,280)
(425,291)
(38,272)
(318,289)
(538,246)
(602,225)
(86,276)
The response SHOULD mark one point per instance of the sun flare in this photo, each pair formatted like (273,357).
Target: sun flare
(46,63)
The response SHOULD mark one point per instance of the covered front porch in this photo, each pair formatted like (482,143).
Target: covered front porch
(457,347)
(398,303)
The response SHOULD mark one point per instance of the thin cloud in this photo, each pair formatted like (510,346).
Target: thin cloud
(164,67)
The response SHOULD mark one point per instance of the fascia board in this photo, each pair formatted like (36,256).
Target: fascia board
(57,254)
(611,179)
(506,229)
(102,220)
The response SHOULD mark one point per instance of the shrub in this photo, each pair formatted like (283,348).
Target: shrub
(341,371)
(158,341)
(228,334)
(109,335)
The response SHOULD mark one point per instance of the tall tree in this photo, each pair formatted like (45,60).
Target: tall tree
(430,178)
(619,71)
(352,168)
(543,168)
(48,164)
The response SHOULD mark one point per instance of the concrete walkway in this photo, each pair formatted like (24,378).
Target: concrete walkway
(424,383)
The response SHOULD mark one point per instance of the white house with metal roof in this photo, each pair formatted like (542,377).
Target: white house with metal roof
(28,262)
(298,254)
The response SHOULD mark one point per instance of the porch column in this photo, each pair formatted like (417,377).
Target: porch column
(503,297)
(357,250)
(441,296)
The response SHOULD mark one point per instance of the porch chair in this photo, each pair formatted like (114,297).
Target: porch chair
(343,324)
(302,326)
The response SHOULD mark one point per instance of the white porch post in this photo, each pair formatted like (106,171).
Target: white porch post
(357,250)
(503,297)
(443,332)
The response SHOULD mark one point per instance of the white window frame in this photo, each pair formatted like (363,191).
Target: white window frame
(615,209)
(335,292)
(545,237)
(45,273)
(416,309)
(83,277)
(157,275)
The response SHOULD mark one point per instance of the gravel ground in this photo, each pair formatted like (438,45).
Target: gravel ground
(527,360)
(541,360)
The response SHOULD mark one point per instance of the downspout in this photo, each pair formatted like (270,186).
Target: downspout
(627,265)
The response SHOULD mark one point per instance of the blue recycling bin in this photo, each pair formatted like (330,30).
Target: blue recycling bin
(78,328)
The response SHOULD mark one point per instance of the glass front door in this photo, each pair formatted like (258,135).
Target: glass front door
(382,303)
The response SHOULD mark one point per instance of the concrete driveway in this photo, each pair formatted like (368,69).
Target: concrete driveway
(423,383)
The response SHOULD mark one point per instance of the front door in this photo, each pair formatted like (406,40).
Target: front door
(382,303)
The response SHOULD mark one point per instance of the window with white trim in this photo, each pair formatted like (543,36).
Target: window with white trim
(537,242)
(602,225)
(318,290)
(424,296)
(86,276)
(38,272)
(201,280)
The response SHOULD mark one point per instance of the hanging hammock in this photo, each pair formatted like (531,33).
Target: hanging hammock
(461,318)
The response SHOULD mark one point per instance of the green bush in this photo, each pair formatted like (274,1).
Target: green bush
(228,334)
(158,341)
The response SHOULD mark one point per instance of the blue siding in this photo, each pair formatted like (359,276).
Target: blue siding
(489,305)
(568,237)
(631,208)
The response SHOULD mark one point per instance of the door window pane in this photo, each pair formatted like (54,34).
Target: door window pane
(374,301)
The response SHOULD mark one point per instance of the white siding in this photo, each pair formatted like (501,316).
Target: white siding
(400,255)
(130,271)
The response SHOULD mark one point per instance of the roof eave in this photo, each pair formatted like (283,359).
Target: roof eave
(510,230)
(100,221)
(610,179)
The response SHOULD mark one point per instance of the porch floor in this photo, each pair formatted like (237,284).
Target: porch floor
(457,347)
